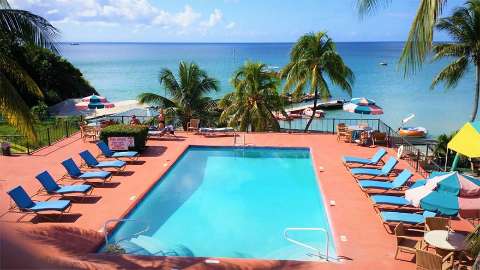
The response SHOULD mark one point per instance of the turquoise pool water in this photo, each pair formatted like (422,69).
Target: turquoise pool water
(230,202)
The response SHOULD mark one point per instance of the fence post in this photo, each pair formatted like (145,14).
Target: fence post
(418,160)
(48,136)
(333,126)
(66,128)
(28,147)
(378,124)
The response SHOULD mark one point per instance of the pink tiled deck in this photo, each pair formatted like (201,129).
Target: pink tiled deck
(368,245)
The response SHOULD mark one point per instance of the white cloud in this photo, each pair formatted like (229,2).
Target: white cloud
(213,19)
(230,25)
(138,13)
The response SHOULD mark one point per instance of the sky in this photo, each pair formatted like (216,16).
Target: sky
(223,20)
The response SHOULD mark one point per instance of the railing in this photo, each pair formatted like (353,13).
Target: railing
(420,158)
(46,136)
(307,246)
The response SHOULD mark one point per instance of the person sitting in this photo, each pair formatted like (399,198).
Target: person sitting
(134,120)
(161,120)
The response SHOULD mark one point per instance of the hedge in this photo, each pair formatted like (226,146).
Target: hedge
(138,132)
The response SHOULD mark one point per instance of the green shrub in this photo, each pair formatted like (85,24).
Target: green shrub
(40,111)
(138,132)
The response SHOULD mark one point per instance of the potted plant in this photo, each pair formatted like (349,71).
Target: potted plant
(6,149)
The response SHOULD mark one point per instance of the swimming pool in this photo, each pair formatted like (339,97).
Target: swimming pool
(230,202)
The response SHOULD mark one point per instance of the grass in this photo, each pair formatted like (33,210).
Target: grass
(48,132)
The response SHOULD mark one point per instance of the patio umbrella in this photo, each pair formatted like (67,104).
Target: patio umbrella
(362,106)
(448,194)
(466,142)
(94,102)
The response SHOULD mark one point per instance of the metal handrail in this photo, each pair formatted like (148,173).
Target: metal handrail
(299,243)
(105,232)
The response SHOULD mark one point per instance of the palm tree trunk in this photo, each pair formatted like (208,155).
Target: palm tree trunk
(477,93)
(314,110)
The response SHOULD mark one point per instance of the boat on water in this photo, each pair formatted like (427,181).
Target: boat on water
(415,132)
(308,112)
(383,64)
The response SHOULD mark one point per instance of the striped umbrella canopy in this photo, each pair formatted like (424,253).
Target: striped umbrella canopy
(362,106)
(448,194)
(94,102)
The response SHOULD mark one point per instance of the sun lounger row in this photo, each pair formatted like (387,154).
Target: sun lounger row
(376,184)
(23,203)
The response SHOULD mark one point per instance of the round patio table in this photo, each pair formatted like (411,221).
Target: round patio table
(438,239)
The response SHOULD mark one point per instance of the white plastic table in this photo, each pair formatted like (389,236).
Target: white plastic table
(438,239)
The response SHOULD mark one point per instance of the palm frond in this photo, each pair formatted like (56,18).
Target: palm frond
(369,6)
(452,73)
(11,69)
(14,109)
(4,4)
(152,98)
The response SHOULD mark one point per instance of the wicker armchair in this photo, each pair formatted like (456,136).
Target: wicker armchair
(404,243)
(193,125)
(87,132)
(341,131)
(437,223)
(429,261)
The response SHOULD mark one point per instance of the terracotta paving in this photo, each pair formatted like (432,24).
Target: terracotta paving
(365,244)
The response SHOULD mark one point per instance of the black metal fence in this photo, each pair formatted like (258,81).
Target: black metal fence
(46,136)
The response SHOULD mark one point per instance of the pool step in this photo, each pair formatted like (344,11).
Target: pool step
(156,248)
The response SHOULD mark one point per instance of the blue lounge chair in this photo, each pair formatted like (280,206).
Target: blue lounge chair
(384,171)
(133,155)
(75,173)
(92,162)
(397,183)
(51,187)
(25,204)
(380,201)
(374,160)
(392,218)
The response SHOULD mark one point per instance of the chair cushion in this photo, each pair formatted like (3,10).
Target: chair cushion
(409,218)
(74,189)
(59,205)
(356,160)
(366,171)
(125,154)
(391,200)
(95,174)
(375,184)
(111,164)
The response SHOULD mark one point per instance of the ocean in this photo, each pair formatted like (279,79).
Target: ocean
(121,71)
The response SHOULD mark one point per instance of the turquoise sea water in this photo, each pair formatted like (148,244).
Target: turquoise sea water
(123,70)
(231,202)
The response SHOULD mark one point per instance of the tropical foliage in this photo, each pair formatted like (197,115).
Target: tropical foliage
(27,29)
(187,93)
(464,29)
(473,242)
(420,37)
(314,58)
(254,100)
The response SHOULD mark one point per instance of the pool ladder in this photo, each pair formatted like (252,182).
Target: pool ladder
(105,230)
(239,143)
(307,246)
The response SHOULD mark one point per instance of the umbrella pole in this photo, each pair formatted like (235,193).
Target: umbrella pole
(455,162)
(446,160)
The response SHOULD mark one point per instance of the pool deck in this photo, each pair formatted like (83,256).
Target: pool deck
(365,243)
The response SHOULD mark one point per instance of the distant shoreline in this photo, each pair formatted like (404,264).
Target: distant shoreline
(220,43)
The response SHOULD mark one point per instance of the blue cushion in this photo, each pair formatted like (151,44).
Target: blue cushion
(419,183)
(59,205)
(392,200)
(74,189)
(47,182)
(409,218)
(402,178)
(379,155)
(89,158)
(356,160)
(95,174)
(104,148)
(389,165)
(20,197)
(125,154)
(366,171)
(111,164)
(375,184)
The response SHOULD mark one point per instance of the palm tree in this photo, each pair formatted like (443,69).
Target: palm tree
(464,28)
(473,243)
(420,37)
(20,27)
(254,100)
(313,57)
(187,92)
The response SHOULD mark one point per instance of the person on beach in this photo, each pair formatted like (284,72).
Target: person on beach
(134,120)
(161,119)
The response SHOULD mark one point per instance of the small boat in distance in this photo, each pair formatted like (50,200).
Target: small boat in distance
(416,132)
(74,44)
(383,64)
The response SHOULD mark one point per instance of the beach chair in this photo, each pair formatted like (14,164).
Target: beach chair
(92,162)
(397,184)
(75,173)
(388,201)
(193,125)
(341,131)
(51,187)
(374,160)
(437,223)
(24,204)
(392,218)
(425,260)
(384,171)
(132,155)
(405,243)
(166,131)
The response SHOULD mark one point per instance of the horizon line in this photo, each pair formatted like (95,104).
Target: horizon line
(220,42)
